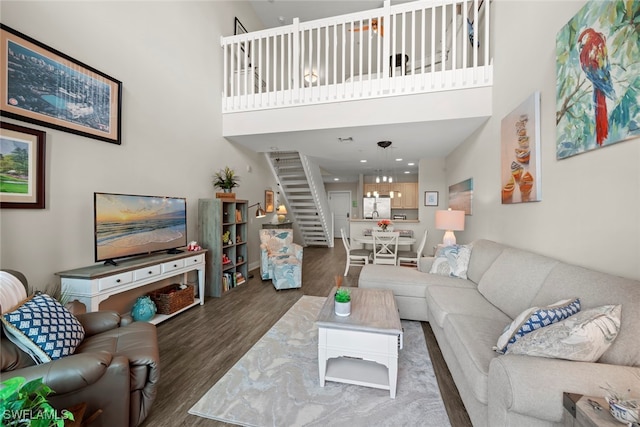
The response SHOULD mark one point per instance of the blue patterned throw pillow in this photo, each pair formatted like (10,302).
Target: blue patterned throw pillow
(536,318)
(43,328)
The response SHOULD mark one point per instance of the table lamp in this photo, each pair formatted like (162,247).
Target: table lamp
(449,221)
(282,211)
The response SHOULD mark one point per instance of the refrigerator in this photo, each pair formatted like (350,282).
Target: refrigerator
(376,207)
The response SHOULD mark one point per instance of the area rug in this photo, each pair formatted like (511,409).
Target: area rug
(276,383)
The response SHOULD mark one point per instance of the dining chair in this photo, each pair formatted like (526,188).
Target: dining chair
(385,247)
(410,257)
(357,257)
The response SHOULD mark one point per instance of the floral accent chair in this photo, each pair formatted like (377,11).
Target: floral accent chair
(280,258)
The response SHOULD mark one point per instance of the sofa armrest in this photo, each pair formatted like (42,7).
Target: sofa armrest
(533,386)
(425,263)
(67,374)
(99,321)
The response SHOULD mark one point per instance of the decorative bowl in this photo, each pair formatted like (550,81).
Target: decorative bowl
(627,411)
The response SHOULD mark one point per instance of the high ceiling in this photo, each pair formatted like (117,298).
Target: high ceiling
(341,159)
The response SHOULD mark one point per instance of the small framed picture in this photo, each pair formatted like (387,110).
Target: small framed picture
(431,198)
(268,201)
(22,163)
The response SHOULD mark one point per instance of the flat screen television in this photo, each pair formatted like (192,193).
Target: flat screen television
(126,225)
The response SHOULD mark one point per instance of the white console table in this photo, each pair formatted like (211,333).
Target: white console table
(94,284)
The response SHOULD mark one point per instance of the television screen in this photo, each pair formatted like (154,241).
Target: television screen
(127,225)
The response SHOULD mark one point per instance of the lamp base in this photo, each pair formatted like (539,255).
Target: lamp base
(449,238)
(282,218)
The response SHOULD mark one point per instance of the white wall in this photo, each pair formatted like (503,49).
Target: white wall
(432,177)
(590,209)
(168,57)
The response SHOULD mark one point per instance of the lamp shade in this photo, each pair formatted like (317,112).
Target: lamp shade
(450,220)
(260,213)
(282,210)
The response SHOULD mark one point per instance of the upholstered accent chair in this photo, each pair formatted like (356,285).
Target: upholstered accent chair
(280,258)
(115,368)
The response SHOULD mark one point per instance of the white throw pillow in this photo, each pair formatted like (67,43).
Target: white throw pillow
(535,318)
(452,261)
(583,337)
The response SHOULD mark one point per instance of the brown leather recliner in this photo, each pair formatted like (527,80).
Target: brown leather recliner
(115,369)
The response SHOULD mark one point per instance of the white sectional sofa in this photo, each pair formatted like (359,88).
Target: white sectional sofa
(468,316)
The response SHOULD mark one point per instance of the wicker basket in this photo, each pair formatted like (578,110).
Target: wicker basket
(169,302)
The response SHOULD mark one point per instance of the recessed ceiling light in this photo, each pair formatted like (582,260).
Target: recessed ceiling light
(407,171)
(411,164)
(363,161)
(398,160)
(336,179)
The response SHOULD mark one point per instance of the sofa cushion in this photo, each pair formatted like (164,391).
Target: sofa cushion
(471,338)
(597,289)
(484,253)
(43,328)
(452,261)
(535,318)
(514,278)
(583,337)
(404,281)
(445,300)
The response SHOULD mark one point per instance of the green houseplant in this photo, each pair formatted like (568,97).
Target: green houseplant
(25,403)
(226,179)
(343,302)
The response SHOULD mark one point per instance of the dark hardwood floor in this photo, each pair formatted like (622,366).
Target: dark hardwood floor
(198,346)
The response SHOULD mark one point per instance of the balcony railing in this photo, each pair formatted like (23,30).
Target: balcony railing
(416,47)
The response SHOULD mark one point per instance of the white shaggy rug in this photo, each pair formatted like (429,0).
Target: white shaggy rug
(276,383)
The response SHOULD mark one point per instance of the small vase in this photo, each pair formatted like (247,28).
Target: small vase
(343,308)
(226,190)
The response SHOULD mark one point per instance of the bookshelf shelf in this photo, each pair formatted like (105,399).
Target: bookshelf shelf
(216,217)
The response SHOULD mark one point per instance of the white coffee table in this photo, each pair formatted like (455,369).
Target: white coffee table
(362,348)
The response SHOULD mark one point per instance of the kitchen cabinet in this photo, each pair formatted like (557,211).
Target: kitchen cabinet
(409,190)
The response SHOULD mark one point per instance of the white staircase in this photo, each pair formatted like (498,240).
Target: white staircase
(301,186)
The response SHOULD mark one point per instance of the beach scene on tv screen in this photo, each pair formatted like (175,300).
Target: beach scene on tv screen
(130,225)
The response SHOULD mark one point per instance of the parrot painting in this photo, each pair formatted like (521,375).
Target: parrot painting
(595,64)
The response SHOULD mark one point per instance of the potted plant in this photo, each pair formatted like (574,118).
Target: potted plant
(343,302)
(226,179)
(25,404)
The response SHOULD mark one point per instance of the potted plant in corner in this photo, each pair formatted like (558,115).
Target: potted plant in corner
(25,403)
(226,179)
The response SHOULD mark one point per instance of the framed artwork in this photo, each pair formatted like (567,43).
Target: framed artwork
(22,181)
(431,198)
(43,86)
(520,153)
(597,84)
(461,196)
(268,201)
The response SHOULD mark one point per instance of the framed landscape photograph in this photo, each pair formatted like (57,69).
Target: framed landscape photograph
(43,86)
(431,198)
(21,167)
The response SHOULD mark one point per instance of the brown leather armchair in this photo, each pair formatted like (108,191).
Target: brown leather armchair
(115,369)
